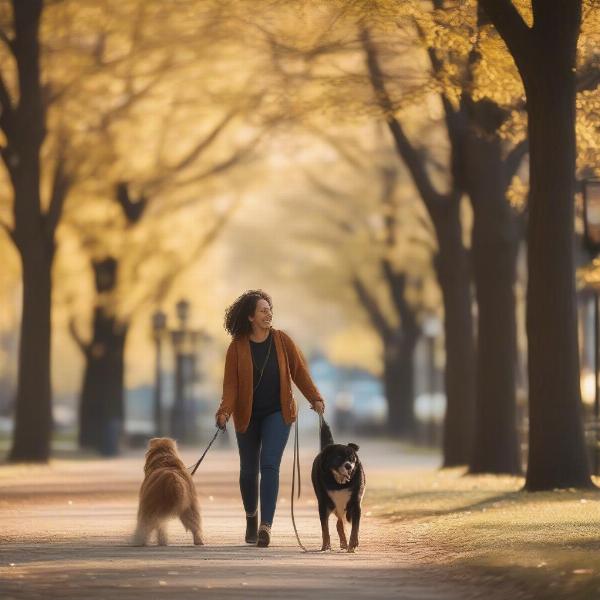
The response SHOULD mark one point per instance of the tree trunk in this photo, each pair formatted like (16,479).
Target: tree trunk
(452,269)
(495,243)
(89,405)
(24,128)
(496,445)
(557,454)
(545,56)
(33,411)
(451,264)
(101,407)
(398,378)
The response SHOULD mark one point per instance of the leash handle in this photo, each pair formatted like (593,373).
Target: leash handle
(207,449)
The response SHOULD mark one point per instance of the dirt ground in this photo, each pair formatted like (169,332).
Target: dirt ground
(66,533)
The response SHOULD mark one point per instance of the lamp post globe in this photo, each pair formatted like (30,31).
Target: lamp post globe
(159,326)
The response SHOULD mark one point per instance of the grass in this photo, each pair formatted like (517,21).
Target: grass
(545,543)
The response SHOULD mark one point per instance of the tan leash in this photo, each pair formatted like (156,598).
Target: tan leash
(296,467)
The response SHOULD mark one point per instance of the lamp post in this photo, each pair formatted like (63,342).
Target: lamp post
(184,343)
(159,326)
(431,330)
(591,238)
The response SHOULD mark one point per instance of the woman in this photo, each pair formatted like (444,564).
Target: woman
(260,365)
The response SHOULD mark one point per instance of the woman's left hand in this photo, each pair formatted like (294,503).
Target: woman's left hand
(318,407)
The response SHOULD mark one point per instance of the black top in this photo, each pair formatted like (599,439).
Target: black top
(266,398)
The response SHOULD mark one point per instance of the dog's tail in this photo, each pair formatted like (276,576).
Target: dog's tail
(163,495)
(326,437)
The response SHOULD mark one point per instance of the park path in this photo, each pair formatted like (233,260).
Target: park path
(65,531)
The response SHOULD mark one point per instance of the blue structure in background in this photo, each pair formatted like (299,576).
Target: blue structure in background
(354,397)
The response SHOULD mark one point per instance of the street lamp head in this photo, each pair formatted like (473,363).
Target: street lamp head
(159,322)
(183,310)
(591,214)
(431,326)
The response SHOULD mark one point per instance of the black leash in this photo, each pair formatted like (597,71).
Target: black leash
(207,449)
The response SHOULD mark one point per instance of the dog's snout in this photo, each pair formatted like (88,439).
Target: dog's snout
(348,466)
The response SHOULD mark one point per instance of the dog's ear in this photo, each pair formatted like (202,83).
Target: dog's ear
(353,446)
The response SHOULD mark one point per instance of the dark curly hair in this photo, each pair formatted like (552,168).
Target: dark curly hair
(236,315)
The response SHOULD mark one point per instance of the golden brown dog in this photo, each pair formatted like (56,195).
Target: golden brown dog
(167,491)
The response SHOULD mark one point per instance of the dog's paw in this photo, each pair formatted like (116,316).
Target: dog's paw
(139,541)
(343,545)
(325,547)
(198,542)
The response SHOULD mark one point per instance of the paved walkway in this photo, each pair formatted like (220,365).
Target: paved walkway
(66,528)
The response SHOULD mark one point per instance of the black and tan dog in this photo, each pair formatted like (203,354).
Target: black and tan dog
(339,481)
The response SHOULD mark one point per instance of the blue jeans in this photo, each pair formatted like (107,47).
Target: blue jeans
(261,446)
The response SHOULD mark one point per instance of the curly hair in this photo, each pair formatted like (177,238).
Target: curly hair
(236,315)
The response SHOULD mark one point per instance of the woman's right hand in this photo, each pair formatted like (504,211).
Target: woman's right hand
(221,421)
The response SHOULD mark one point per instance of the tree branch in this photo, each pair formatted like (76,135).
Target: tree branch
(335,144)
(425,243)
(6,107)
(81,344)
(513,159)
(437,66)
(377,318)
(511,27)
(397,287)
(426,224)
(9,232)
(225,164)
(403,146)
(203,144)
(162,288)
(7,41)
(61,183)
(133,210)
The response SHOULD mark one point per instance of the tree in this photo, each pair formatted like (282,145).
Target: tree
(489,164)
(23,122)
(400,331)
(101,409)
(545,55)
(483,168)
(496,236)
(95,84)
(451,266)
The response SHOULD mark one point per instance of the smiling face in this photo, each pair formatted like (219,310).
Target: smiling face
(342,462)
(263,315)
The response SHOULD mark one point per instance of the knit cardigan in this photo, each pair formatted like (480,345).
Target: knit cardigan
(238,380)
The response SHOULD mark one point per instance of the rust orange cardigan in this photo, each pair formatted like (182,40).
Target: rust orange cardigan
(238,380)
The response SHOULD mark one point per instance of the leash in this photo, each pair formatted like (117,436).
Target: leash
(296,468)
(207,449)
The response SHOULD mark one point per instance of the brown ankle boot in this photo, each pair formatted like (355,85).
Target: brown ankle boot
(264,535)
